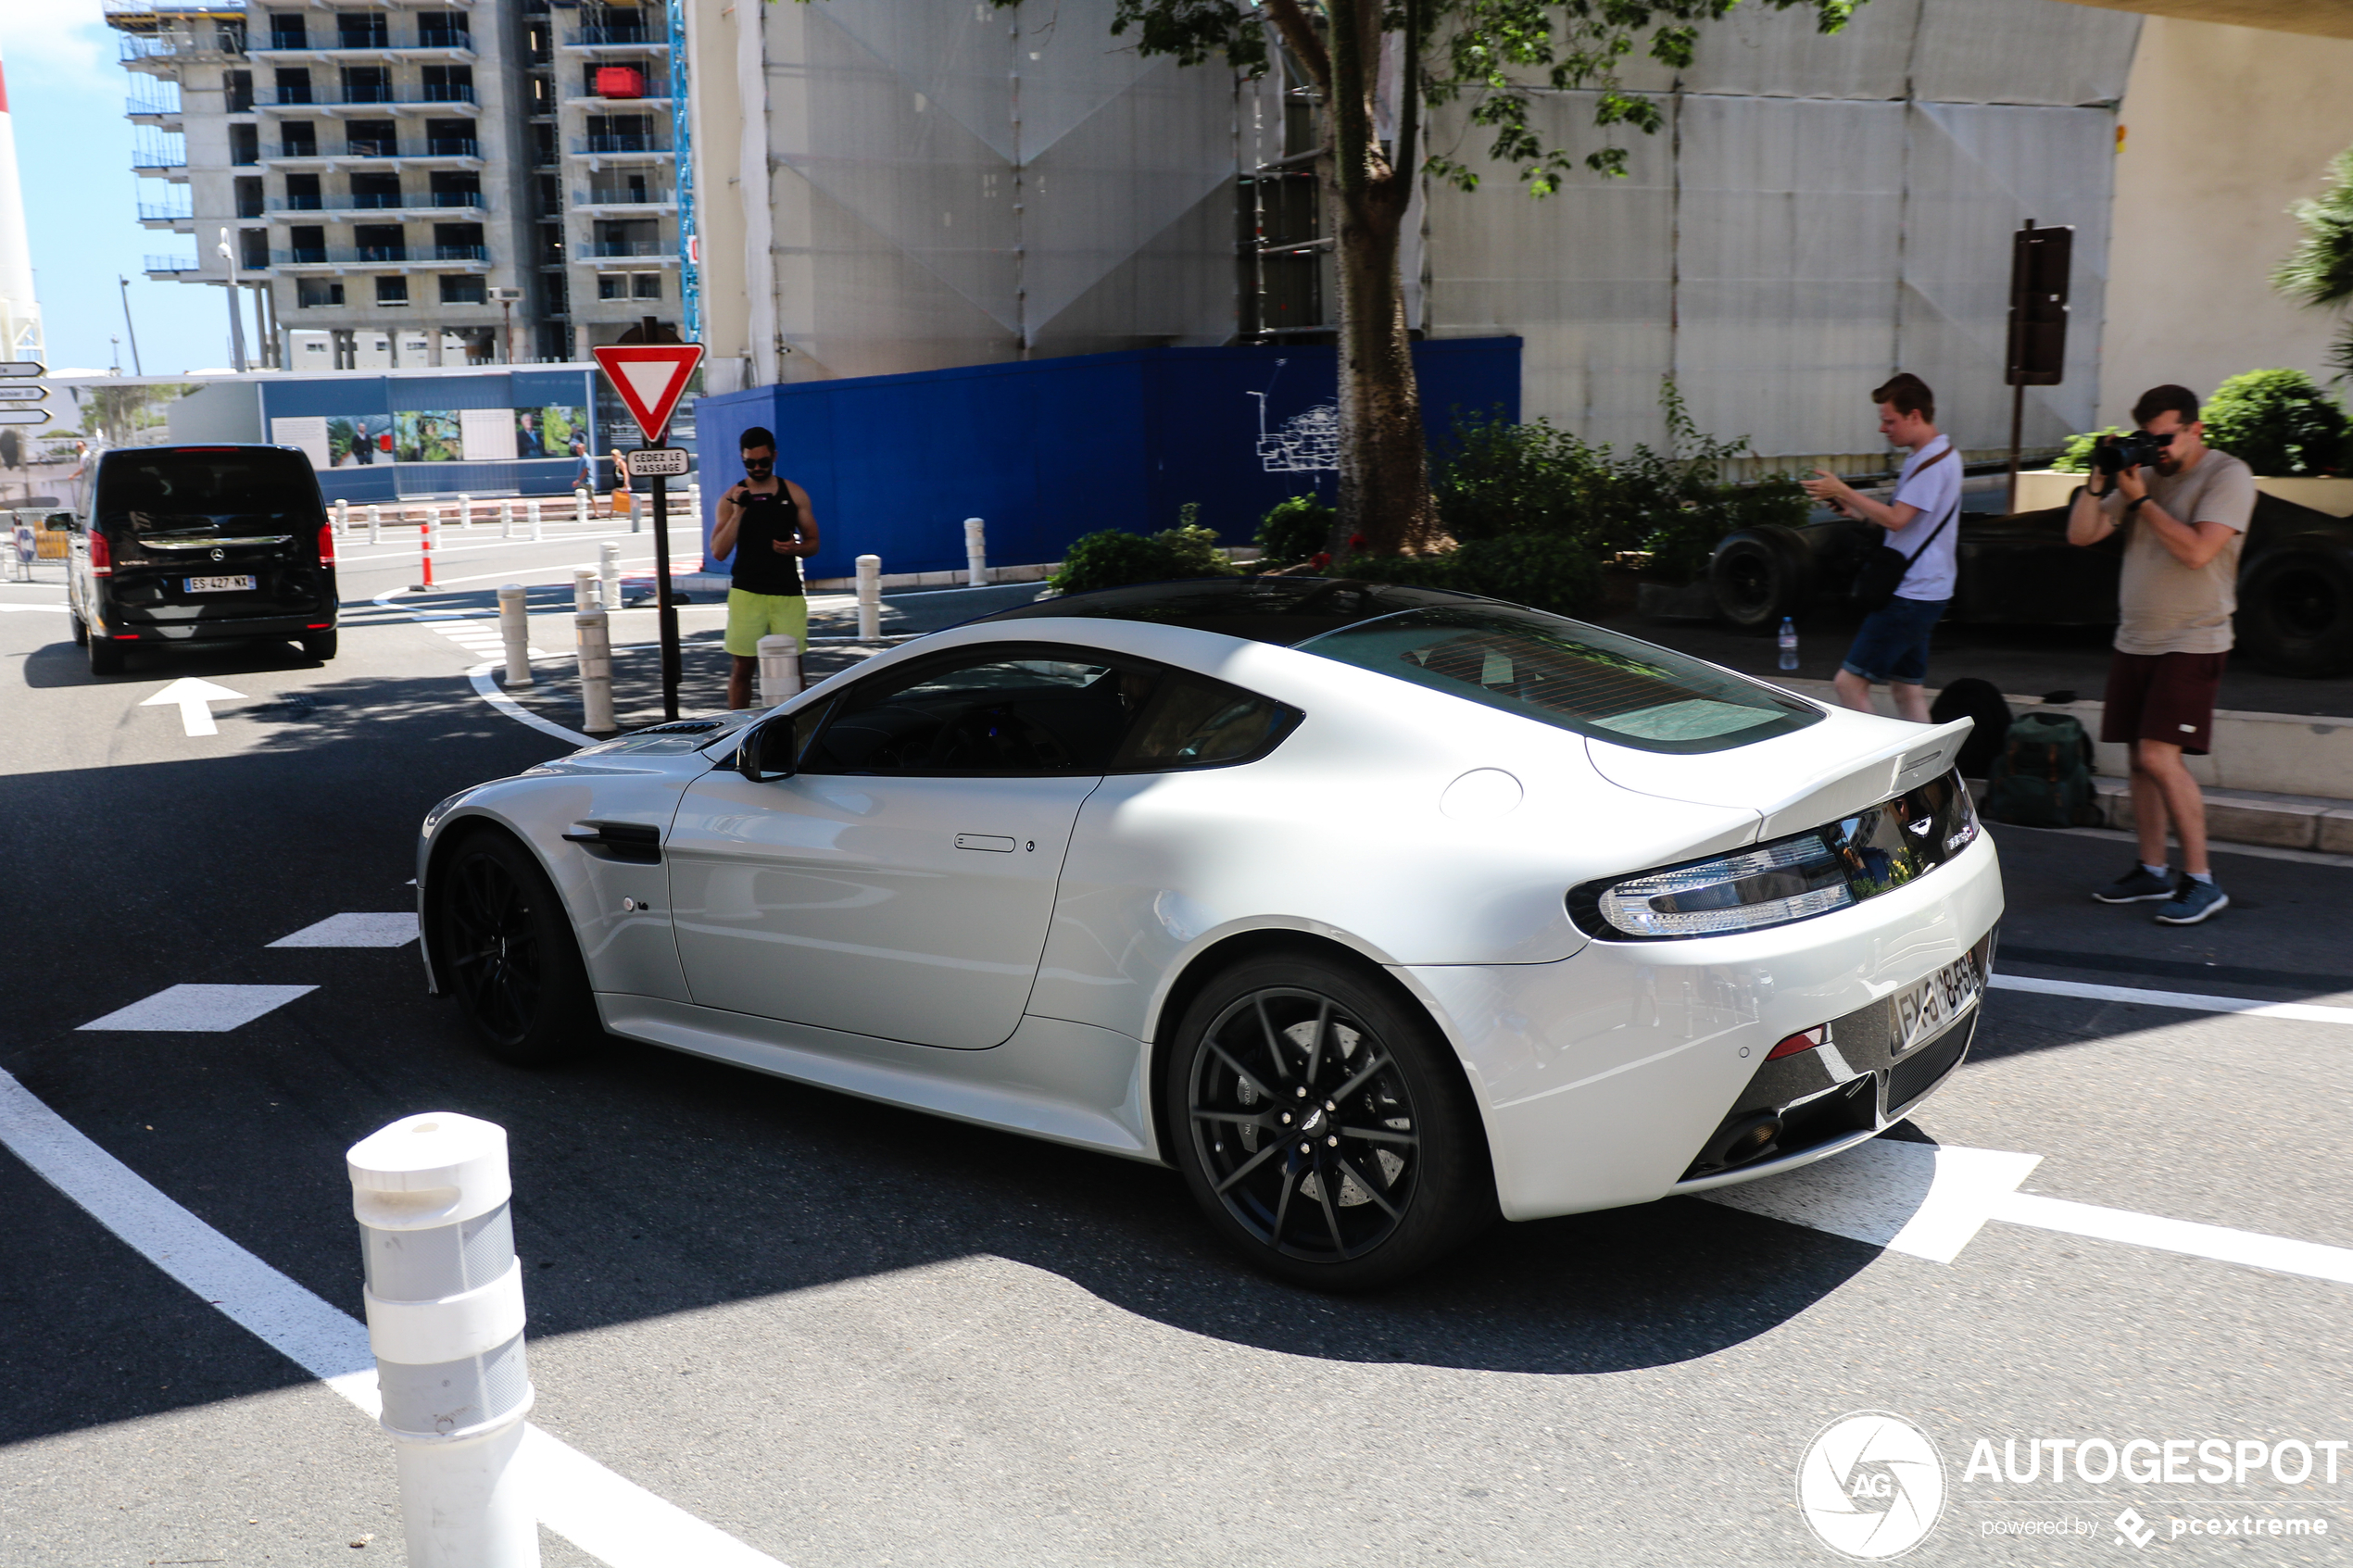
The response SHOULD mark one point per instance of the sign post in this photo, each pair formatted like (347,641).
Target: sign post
(2037,356)
(651,378)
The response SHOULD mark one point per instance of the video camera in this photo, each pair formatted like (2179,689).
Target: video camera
(2114,454)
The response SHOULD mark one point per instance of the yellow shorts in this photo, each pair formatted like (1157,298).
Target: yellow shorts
(753,615)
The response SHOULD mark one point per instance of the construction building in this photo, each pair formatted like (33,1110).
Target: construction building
(392,184)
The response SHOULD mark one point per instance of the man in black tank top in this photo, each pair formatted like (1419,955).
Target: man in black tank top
(767,525)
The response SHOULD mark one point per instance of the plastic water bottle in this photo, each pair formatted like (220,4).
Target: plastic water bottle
(1789,643)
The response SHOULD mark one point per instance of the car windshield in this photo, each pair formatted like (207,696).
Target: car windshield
(1564,673)
(179,491)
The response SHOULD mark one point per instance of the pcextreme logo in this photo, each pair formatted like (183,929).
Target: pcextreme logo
(1871,1485)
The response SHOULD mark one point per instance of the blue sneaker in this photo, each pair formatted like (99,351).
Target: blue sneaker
(2136,887)
(2195,902)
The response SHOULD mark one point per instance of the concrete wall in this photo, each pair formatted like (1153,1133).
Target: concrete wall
(2224,128)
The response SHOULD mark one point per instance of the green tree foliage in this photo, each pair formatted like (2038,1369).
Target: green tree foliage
(1113,557)
(2319,271)
(2278,422)
(1293,531)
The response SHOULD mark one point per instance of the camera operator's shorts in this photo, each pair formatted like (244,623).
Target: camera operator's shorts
(753,615)
(1892,643)
(2167,697)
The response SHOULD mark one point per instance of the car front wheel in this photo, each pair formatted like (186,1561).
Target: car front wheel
(1323,1125)
(504,945)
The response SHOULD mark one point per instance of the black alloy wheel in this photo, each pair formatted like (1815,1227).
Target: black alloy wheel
(505,948)
(1320,1126)
(1758,575)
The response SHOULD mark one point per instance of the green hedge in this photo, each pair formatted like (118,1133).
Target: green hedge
(1115,557)
(2279,422)
(1543,572)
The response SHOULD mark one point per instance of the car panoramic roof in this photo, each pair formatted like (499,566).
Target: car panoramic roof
(1282,611)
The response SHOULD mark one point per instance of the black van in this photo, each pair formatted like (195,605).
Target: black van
(197,544)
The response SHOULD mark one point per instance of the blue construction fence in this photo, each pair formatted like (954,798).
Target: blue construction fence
(1045,450)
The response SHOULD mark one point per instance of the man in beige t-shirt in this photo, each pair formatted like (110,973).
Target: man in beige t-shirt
(2185,516)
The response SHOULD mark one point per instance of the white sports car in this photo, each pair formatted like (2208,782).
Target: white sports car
(1377,911)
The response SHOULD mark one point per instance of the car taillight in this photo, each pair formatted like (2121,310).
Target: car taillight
(101,555)
(326,544)
(1806,1040)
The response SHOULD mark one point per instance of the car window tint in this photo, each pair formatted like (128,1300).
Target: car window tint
(1578,677)
(1196,723)
(984,713)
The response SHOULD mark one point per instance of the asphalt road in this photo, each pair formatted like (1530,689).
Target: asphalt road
(849,1334)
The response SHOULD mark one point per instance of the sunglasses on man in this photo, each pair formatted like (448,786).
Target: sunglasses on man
(759,465)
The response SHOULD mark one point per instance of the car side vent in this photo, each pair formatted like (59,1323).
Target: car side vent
(639,843)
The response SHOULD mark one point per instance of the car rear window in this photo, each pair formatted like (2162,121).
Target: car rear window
(1578,677)
(1283,610)
(174,490)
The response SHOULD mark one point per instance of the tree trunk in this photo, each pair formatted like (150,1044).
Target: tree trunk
(1384,463)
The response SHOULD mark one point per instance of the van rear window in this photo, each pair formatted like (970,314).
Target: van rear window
(169,490)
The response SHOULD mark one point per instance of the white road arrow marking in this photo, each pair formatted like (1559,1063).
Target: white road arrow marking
(193,699)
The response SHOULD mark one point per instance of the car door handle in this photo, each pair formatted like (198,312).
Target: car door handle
(995,844)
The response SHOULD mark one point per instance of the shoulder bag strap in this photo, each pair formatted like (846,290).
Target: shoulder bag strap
(1950,515)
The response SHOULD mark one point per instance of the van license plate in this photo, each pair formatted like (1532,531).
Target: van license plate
(1927,1007)
(220,584)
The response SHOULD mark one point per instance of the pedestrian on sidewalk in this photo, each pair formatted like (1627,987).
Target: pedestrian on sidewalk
(584,477)
(2183,508)
(1890,646)
(768,524)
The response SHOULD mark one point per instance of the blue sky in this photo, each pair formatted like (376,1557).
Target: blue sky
(66,95)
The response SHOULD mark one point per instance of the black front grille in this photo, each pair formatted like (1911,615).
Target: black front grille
(1917,1074)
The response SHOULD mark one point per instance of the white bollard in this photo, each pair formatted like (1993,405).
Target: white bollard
(596,671)
(506,520)
(443,1294)
(579,505)
(514,629)
(608,568)
(584,590)
(533,511)
(975,553)
(869,598)
(466,512)
(342,519)
(779,669)
(376,525)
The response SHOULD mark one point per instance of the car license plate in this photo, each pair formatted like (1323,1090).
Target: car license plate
(220,584)
(1927,1007)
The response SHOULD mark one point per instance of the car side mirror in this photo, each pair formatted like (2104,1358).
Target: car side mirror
(755,758)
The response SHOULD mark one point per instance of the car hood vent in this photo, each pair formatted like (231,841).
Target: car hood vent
(680,727)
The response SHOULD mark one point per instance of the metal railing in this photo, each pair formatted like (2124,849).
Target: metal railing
(287,43)
(170,264)
(629,247)
(372,256)
(153,102)
(632,143)
(333,98)
(151,212)
(380,147)
(379,201)
(132,47)
(623,195)
(638,37)
(155,155)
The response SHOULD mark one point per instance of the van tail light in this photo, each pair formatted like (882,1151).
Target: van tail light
(1804,1041)
(326,544)
(101,555)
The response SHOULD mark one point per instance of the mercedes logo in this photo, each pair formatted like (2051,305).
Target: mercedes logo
(219,554)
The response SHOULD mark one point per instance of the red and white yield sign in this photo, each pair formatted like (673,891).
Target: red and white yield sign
(650,378)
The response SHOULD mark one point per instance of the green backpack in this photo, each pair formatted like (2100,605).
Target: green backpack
(2043,777)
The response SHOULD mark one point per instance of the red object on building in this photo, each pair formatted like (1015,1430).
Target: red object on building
(620,81)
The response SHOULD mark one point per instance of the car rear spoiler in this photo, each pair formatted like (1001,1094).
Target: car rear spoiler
(1920,757)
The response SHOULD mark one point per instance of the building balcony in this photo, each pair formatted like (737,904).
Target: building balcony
(338,105)
(153,216)
(619,146)
(160,110)
(595,103)
(616,38)
(597,197)
(661,252)
(284,48)
(169,49)
(417,204)
(170,266)
(445,152)
(159,163)
(386,258)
